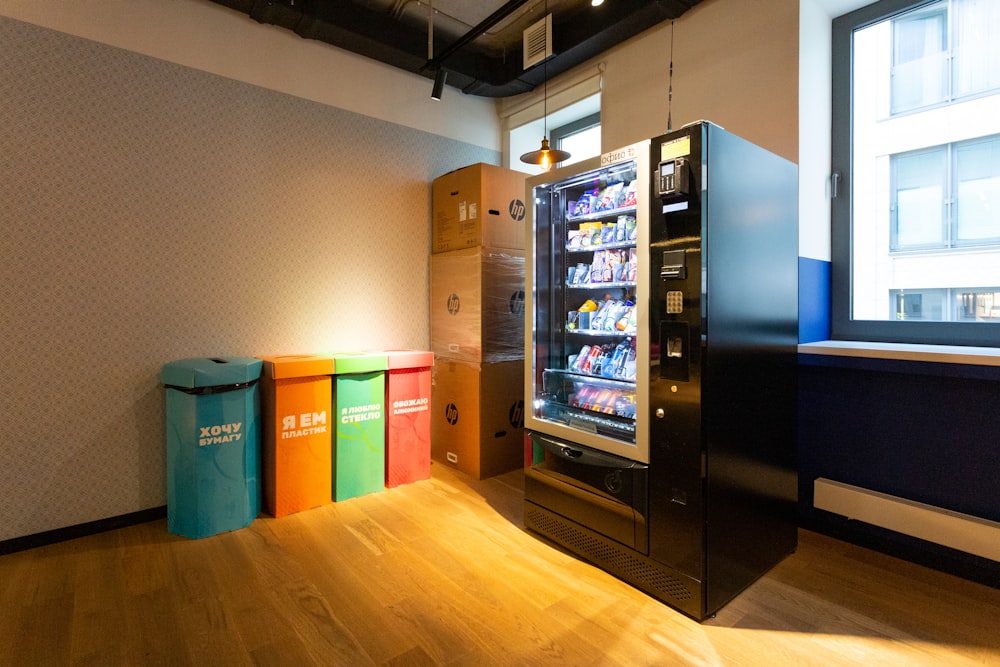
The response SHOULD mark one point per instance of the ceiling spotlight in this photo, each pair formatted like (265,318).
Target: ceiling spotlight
(596,3)
(439,80)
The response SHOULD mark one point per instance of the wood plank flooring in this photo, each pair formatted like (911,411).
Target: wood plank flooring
(441,572)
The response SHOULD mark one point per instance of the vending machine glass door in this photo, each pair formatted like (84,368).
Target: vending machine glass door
(586,298)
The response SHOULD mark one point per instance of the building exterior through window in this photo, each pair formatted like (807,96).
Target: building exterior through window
(925,165)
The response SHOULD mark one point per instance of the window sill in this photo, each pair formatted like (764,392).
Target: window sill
(945,354)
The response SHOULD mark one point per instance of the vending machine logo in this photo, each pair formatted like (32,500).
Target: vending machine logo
(451,414)
(516,209)
(517,303)
(516,415)
(453,304)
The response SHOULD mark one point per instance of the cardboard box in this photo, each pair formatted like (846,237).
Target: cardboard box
(297,423)
(477,424)
(477,305)
(478,205)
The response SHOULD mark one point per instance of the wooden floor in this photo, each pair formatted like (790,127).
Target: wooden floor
(441,572)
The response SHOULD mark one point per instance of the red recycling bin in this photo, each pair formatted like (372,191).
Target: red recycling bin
(408,422)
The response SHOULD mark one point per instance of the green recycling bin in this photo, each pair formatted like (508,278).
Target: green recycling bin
(213,444)
(359,439)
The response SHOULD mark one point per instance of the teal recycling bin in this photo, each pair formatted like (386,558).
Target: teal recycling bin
(213,444)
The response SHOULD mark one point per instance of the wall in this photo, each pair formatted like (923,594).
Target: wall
(734,63)
(212,38)
(153,211)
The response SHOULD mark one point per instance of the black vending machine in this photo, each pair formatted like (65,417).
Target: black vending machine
(661,336)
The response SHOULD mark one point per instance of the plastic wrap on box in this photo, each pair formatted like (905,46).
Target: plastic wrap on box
(477,305)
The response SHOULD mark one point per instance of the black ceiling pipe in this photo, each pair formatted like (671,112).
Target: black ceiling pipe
(578,34)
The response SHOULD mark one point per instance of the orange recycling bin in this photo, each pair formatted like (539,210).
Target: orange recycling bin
(408,422)
(296,399)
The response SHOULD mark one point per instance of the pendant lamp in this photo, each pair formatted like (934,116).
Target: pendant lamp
(545,157)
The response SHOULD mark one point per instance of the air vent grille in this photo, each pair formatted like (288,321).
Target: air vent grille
(537,41)
(615,559)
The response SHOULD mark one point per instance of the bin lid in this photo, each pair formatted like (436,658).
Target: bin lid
(297,365)
(211,372)
(409,359)
(359,362)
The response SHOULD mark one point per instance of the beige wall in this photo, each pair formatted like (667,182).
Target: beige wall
(735,64)
(213,38)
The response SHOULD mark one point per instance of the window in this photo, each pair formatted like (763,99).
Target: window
(916,158)
(581,138)
(573,123)
(946,196)
(920,58)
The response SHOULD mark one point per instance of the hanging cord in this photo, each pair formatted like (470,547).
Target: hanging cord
(670,85)
(545,76)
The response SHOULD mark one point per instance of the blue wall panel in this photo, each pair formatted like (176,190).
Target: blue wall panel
(814,300)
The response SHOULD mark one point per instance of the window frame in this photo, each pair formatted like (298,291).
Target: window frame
(842,324)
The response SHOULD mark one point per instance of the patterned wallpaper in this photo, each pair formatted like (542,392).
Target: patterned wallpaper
(152,212)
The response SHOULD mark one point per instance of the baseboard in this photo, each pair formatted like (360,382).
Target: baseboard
(81,530)
(962,532)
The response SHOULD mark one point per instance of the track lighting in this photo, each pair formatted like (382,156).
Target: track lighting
(439,80)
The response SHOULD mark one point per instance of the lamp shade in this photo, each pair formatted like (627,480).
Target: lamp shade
(545,157)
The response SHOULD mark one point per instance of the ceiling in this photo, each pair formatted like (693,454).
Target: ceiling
(478,43)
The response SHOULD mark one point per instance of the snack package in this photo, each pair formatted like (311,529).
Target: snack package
(597,267)
(573,239)
(608,232)
(609,197)
(620,233)
(611,259)
(630,198)
(596,235)
(622,323)
(625,405)
(629,371)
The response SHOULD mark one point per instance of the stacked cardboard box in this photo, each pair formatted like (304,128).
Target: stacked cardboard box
(477,320)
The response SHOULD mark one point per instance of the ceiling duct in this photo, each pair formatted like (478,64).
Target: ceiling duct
(488,65)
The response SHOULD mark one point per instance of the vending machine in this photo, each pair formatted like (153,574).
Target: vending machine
(660,363)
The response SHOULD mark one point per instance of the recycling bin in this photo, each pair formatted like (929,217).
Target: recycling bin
(408,417)
(296,397)
(359,438)
(213,444)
